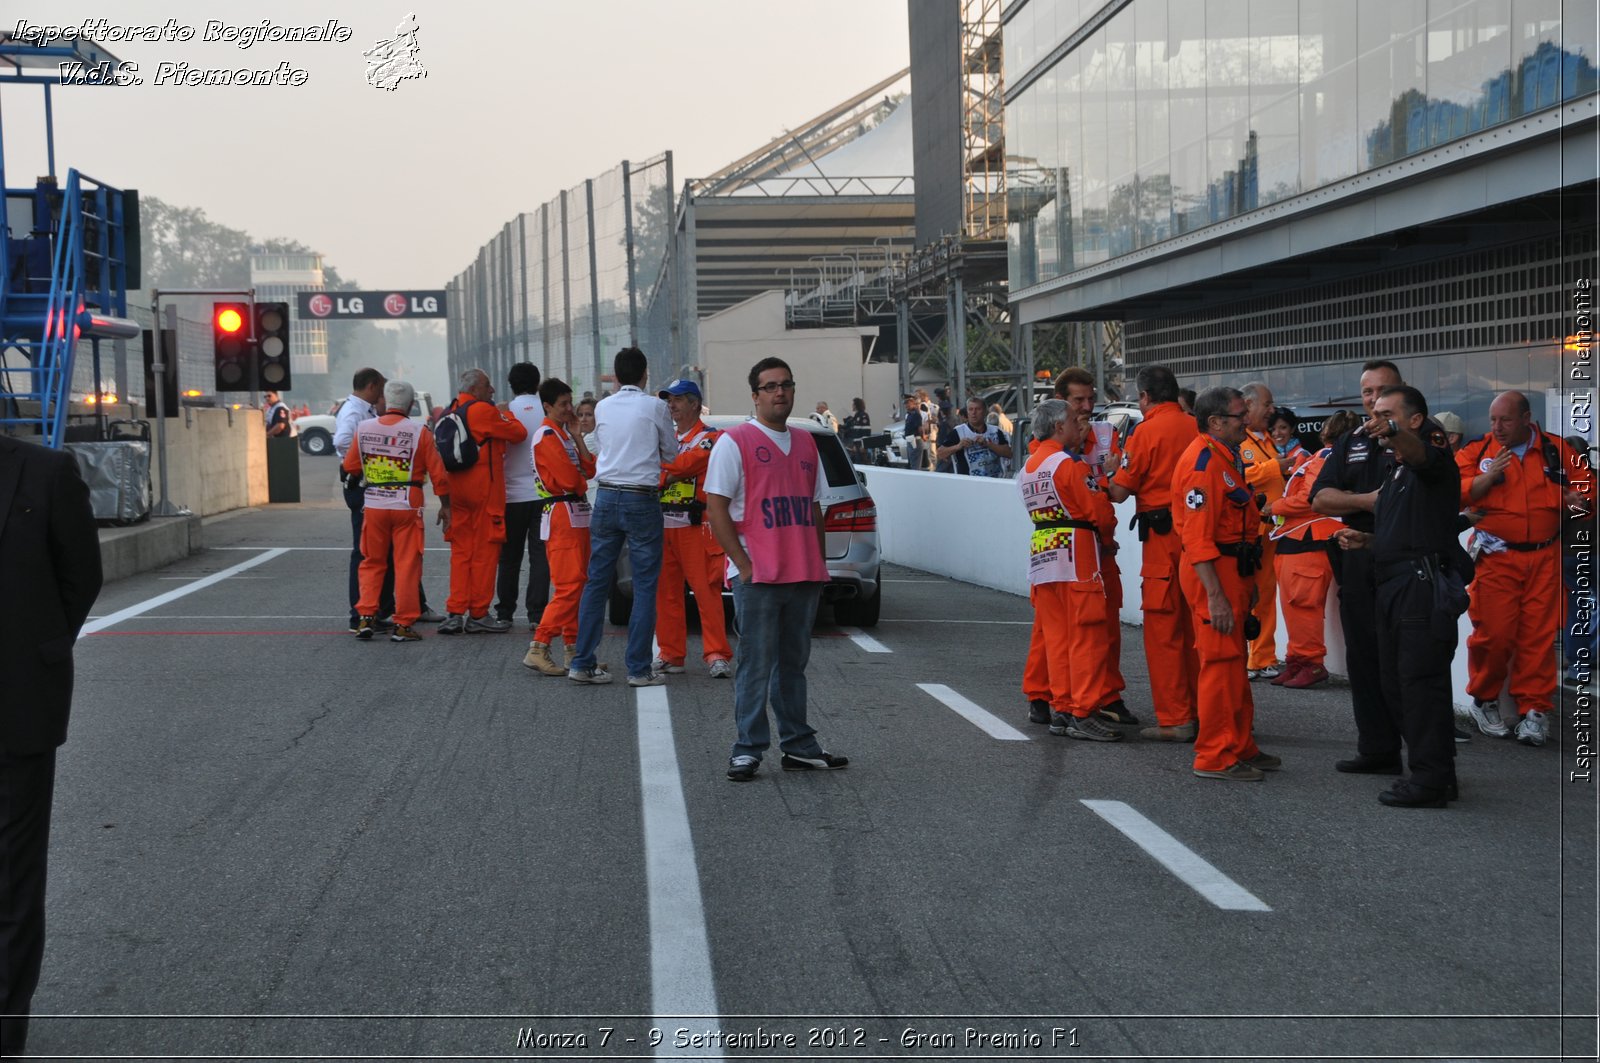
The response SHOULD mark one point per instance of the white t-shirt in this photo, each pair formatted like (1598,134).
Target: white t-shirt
(725,473)
(519,456)
(635,435)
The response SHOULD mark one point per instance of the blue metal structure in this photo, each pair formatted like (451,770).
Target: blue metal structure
(63,262)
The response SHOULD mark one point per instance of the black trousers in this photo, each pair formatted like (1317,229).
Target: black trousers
(355,500)
(1377,727)
(522,534)
(1414,662)
(27,785)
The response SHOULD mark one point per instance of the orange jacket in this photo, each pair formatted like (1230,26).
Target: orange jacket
(484,483)
(425,464)
(1261,468)
(1525,507)
(1292,515)
(1151,453)
(690,465)
(1212,505)
(554,465)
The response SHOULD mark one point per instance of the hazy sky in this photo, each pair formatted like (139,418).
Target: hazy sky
(399,189)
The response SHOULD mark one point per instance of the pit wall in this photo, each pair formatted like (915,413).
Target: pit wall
(976,530)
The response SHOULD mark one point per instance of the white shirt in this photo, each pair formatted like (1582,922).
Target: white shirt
(352,412)
(635,438)
(519,456)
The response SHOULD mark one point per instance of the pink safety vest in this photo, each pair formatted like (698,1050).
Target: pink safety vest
(779,525)
(388,453)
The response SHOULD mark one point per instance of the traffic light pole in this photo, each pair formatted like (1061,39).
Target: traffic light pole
(158,369)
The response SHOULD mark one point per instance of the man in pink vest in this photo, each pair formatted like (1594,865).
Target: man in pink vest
(763,497)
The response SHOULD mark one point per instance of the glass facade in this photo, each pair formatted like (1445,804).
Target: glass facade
(1176,114)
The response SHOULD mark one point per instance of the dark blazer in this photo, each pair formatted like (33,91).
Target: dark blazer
(49,578)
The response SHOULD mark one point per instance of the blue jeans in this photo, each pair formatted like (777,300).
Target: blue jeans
(775,621)
(636,518)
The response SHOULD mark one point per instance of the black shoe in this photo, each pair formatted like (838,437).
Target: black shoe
(1462,735)
(365,628)
(1059,723)
(743,769)
(1370,764)
(1407,794)
(1090,728)
(1038,711)
(818,761)
(1117,713)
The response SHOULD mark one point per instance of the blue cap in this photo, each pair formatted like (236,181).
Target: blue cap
(681,387)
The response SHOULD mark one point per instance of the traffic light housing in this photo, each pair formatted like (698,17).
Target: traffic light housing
(272,345)
(231,351)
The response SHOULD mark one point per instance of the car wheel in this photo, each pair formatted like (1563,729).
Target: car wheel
(866,612)
(621,607)
(316,442)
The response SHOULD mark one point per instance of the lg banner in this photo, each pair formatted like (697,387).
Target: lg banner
(385,306)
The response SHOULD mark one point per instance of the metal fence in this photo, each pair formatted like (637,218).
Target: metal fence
(567,285)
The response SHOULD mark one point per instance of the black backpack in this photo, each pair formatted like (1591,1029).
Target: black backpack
(457,449)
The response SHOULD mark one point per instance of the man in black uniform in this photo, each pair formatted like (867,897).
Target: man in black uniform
(1422,575)
(1348,487)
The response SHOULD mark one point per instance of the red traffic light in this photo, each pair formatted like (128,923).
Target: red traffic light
(229,320)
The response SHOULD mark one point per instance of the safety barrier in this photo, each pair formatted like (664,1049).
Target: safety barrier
(975,530)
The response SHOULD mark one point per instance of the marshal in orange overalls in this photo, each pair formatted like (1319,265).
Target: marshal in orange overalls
(564,527)
(1516,593)
(1216,516)
(1151,456)
(395,456)
(690,553)
(478,501)
(1265,476)
(1305,572)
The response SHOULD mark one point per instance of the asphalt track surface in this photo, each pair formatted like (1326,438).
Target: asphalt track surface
(274,841)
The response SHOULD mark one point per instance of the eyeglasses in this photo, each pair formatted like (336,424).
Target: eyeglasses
(1233,416)
(772,387)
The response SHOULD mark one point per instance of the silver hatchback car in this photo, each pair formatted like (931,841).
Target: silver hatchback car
(850,520)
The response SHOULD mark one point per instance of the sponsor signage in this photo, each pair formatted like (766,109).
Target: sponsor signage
(384,306)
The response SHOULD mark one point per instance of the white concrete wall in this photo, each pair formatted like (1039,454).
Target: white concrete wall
(214,462)
(827,363)
(976,530)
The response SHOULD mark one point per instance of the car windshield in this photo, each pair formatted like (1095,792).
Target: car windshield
(835,461)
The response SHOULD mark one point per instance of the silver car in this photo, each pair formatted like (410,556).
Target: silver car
(850,519)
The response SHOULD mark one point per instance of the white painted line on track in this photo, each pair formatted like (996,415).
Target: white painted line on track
(864,640)
(681,983)
(976,714)
(1178,858)
(178,592)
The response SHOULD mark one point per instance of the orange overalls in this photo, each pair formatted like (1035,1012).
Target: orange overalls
(478,505)
(1304,569)
(1150,457)
(1516,593)
(1071,614)
(1101,454)
(394,450)
(1216,516)
(689,552)
(564,526)
(1265,476)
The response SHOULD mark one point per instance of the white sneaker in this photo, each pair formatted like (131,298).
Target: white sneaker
(659,665)
(721,668)
(589,675)
(1533,729)
(1486,716)
(1271,671)
(653,679)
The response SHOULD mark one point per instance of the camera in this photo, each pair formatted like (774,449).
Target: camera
(1252,627)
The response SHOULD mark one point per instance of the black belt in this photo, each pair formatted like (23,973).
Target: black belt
(632,489)
(1049,525)
(1528,548)
(553,499)
(1247,555)
(695,509)
(1416,564)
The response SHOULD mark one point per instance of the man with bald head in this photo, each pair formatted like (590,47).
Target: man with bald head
(1518,479)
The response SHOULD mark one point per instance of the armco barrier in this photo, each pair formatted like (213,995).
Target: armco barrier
(975,530)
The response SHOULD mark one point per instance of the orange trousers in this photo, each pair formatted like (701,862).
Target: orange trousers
(691,555)
(1226,709)
(1069,628)
(567,550)
(1515,609)
(399,530)
(475,535)
(1168,631)
(1304,580)
(1264,650)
